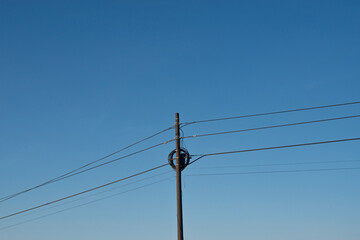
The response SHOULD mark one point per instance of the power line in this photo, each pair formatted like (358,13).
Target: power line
(85,170)
(272,126)
(116,159)
(87,203)
(275,164)
(276,147)
(271,113)
(279,171)
(76,171)
(83,192)
(91,195)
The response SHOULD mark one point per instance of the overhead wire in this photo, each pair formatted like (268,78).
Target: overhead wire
(270,113)
(275,171)
(182,142)
(275,147)
(275,164)
(81,193)
(76,171)
(84,204)
(273,126)
(200,174)
(196,168)
(89,196)
(116,159)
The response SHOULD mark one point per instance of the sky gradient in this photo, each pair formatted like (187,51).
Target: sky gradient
(82,79)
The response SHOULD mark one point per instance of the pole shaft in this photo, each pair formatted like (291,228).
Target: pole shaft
(178,179)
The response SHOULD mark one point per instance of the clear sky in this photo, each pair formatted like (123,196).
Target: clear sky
(81,79)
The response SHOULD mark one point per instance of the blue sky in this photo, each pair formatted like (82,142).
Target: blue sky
(81,79)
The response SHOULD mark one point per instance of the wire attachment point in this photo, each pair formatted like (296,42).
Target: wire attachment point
(184,158)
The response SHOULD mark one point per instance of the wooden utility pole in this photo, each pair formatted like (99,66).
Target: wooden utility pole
(178,179)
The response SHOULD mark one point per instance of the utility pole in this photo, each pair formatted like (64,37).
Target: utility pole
(178,179)
(182,157)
